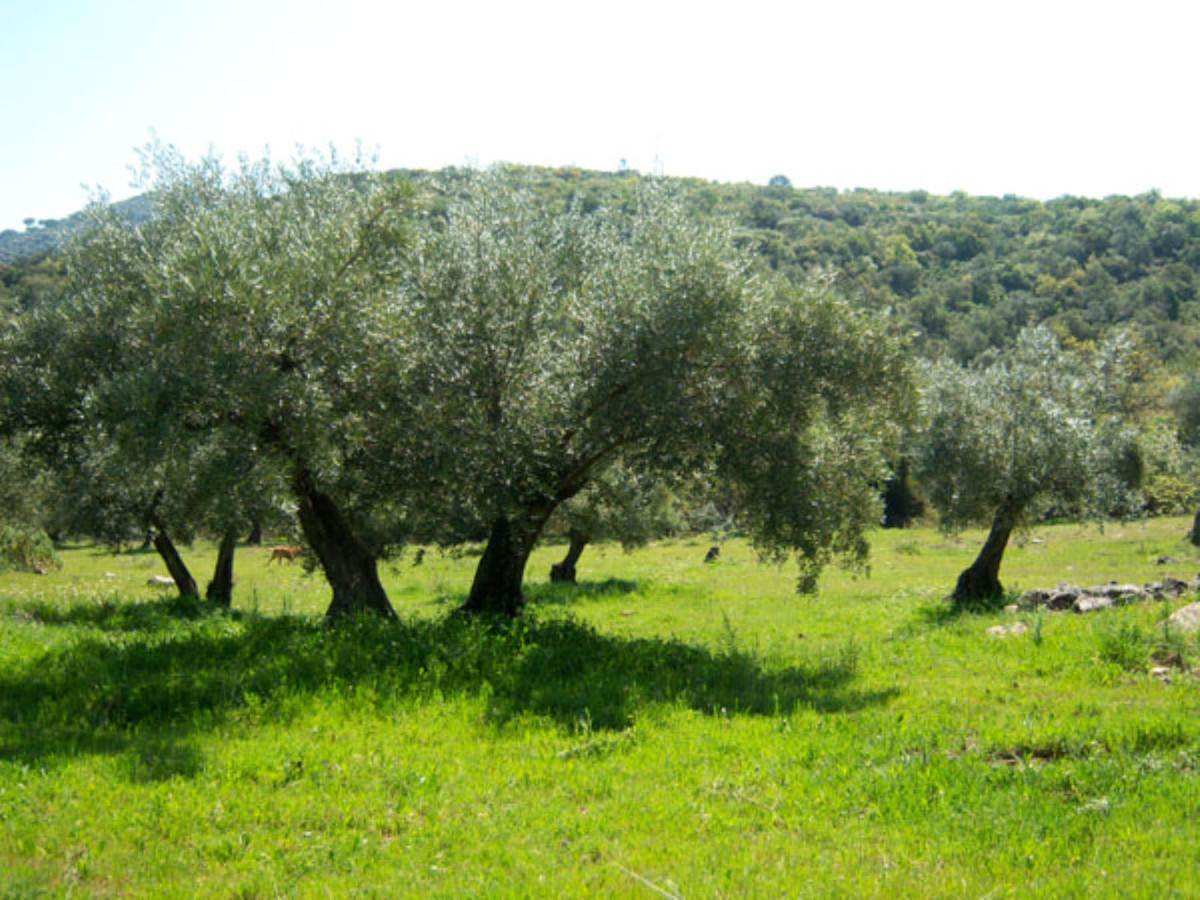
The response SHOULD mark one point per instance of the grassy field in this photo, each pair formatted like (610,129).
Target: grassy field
(665,728)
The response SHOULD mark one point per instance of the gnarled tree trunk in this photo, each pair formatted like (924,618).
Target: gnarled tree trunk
(981,580)
(174,562)
(349,567)
(501,570)
(220,589)
(1195,535)
(256,535)
(565,571)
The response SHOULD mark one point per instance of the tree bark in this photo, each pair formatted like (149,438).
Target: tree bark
(981,580)
(220,589)
(256,536)
(174,562)
(565,571)
(501,570)
(350,569)
(1195,535)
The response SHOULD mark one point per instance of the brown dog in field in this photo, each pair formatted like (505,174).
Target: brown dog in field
(288,553)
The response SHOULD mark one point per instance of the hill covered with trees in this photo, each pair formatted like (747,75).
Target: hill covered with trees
(960,273)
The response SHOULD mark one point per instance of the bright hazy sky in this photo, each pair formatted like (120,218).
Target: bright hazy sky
(1034,98)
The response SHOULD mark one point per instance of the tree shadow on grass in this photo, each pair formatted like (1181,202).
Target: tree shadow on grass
(115,614)
(563,593)
(144,688)
(945,611)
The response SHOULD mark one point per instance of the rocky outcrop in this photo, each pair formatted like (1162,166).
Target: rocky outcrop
(1104,596)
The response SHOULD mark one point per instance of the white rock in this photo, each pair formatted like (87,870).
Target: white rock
(1008,630)
(1186,618)
(1088,603)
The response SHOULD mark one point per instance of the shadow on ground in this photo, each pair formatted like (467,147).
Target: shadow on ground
(142,678)
(564,593)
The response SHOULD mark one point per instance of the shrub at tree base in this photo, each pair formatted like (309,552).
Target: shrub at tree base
(26,550)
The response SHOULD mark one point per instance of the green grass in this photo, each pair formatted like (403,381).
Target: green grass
(666,727)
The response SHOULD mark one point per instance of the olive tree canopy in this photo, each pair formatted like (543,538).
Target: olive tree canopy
(221,357)
(551,345)
(1020,432)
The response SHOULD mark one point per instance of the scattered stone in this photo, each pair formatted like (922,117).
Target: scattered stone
(1186,618)
(1120,593)
(1164,560)
(1162,673)
(1068,596)
(110,574)
(1169,658)
(160,581)
(39,570)
(1064,597)
(1033,599)
(1001,631)
(1012,609)
(1087,603)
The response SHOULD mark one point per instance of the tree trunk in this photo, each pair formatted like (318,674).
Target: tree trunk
(981,581)
(174,562)
(220,589)
(349,567)
(900,505)
(501,571)
(565,570)
(256,535)
(1195,535)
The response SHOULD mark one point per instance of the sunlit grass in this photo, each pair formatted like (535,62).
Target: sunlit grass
(666,727)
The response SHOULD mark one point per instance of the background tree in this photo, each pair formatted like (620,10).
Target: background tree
(1185,404)
(1013,435)
(618,505)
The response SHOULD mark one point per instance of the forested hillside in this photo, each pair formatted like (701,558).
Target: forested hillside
(964,273)
(43,236)
(961,273)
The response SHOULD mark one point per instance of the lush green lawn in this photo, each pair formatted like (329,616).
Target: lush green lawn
(665,728)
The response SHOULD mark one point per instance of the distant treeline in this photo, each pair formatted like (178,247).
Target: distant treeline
(960,273)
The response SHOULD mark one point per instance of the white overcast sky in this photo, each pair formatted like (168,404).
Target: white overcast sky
(1032,98)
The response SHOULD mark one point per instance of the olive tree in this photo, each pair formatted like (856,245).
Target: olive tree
(1019,432)
(620,504)
(552,345)
(1185,404)
(229,349)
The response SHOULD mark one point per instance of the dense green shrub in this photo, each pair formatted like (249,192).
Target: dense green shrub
(26,550)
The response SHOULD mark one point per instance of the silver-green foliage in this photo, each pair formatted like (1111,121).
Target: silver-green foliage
(229,339)
(1026,430)
(552,345)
